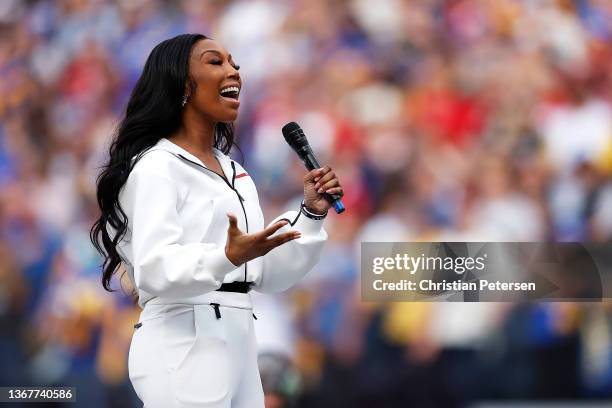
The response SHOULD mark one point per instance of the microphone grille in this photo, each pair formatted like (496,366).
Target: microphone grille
(290,127)
(294,135)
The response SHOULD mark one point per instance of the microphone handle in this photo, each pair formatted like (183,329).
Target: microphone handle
(311,163)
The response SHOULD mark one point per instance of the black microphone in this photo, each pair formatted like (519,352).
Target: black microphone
(296,138)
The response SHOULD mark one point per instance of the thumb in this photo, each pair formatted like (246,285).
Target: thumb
(233,223)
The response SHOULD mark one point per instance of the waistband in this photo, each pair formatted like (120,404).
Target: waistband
(229,299)
(241,287)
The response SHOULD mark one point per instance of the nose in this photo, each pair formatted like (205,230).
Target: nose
(233,73)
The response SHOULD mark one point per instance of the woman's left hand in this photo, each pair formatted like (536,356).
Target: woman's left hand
(317,182)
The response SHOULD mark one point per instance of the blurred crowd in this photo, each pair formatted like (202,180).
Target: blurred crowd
(446,120)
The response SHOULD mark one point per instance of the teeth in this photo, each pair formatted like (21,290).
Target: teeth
(230,89)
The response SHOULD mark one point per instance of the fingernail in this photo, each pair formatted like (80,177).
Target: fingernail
(317,185)
(320,190)
(316,179)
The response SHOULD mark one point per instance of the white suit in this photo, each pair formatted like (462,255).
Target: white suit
(184,352)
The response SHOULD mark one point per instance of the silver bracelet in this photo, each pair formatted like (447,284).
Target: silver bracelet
(312,215)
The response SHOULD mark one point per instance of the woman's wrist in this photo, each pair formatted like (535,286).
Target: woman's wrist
(229,254)
(313,214)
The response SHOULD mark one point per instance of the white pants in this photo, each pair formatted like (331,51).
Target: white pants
(183,356)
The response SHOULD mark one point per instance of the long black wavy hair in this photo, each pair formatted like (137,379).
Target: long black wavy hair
(153,112)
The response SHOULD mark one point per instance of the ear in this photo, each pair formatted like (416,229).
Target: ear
(190,86)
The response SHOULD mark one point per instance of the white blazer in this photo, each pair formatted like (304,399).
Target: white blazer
(174,248)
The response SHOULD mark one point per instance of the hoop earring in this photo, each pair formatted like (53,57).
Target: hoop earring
(184,102)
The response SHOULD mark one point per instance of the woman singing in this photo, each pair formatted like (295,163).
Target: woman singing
(185,220)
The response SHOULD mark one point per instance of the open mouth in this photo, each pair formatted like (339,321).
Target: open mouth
(230,92)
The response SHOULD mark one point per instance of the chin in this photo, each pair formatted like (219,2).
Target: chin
(224,117)
(230,117)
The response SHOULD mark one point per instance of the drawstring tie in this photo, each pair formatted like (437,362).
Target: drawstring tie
(217,311)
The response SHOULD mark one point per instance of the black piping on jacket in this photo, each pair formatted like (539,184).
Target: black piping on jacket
(231,186)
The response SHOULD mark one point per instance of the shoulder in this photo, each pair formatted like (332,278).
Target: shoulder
(154,158)
(152,166)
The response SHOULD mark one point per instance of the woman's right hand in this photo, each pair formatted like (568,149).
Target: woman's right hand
(241,247)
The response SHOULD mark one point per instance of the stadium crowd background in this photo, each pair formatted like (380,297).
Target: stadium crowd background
(475,120)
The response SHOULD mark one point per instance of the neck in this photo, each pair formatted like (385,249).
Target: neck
(197,134)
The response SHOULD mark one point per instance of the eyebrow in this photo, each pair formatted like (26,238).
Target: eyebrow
(229,56)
